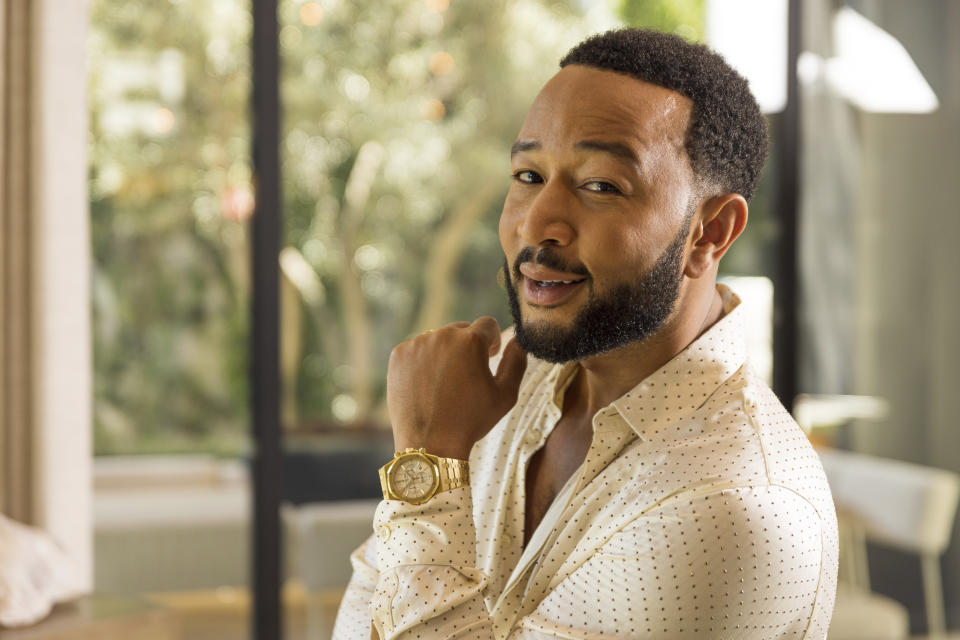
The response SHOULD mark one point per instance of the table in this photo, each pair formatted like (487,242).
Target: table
(102,618)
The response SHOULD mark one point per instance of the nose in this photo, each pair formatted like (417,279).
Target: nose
(545,219)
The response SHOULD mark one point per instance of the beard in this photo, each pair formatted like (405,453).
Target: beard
(628,313)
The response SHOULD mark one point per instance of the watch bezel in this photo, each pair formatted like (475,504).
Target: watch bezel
(406,456)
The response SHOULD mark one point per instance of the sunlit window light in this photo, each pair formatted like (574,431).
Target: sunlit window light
(752,36)
(873,70)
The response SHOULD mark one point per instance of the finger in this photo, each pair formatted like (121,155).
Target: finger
(510,371)
(489,330)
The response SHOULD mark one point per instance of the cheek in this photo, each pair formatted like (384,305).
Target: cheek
(509,221)
(505,230)
(626,253)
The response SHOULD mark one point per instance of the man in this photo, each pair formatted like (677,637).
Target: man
(629,477)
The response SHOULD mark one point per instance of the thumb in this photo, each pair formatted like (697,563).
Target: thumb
(510,371)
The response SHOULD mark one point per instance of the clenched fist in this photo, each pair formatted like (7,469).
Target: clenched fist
(440,392)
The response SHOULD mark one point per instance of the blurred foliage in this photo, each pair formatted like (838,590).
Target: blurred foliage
(398,117)
(169,138)
(683,17)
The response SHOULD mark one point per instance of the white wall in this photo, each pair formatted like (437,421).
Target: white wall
(61,251)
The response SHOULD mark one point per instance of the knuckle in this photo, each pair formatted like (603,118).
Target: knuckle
(484,322)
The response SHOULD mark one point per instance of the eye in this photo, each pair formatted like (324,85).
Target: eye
(599,186)
(527,177)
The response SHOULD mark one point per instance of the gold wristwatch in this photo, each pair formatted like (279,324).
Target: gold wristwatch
(415,476)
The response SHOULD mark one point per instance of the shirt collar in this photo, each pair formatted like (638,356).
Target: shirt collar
(685,382)
(682,384)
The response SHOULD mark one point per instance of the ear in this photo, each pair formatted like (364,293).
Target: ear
(720,221)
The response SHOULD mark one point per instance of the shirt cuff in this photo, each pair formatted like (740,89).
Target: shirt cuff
(438,532)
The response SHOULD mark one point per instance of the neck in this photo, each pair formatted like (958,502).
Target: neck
(605,377)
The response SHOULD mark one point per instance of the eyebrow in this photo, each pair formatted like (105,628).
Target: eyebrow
(523,145)
(616,149)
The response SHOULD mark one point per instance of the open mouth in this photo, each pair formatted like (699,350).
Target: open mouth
(554,283)
(549,292)
(546,287)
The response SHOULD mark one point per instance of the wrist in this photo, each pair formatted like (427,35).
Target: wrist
(439,449)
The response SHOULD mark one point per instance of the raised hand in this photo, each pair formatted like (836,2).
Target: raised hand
(440,392)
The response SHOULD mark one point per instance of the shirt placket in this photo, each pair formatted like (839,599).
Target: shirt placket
(531,440)
(610,435)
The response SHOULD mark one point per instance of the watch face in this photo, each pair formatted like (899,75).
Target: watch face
(413,478)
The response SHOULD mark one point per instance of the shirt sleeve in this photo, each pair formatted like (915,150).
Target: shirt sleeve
(745,562)
(353,616)
(429,586)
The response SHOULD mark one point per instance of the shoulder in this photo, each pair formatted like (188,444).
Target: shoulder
(770,537)
(720,561)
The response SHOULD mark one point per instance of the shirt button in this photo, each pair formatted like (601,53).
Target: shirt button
(384,532)
(533,436)
(507,538)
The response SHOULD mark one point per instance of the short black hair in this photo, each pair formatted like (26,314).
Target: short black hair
(727,137)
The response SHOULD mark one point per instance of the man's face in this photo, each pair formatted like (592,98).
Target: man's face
(595,225)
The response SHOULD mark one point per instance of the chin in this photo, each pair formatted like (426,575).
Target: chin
(548,341)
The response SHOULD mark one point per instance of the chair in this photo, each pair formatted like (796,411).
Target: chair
(901,505)
(321,537)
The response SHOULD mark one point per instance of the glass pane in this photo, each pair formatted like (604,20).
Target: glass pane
(170,192)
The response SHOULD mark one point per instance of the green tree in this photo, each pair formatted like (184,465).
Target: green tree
(683,17)
(169,141)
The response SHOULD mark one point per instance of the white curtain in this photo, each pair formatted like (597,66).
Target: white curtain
(16,499)
(45,377)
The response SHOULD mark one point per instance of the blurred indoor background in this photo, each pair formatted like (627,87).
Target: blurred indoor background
(125,281)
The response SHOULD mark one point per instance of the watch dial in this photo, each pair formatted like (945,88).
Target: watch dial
(412,478)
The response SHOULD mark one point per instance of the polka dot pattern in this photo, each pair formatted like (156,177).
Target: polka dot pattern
(700,511)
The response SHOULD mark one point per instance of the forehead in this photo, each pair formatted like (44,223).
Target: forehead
(582,102)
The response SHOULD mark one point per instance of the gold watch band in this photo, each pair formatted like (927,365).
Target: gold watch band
(454,473)
(450,473)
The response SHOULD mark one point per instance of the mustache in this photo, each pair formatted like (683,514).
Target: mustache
(548,258)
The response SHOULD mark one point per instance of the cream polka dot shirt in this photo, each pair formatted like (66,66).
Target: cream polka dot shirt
(700,511)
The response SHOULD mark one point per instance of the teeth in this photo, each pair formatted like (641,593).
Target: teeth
(551,283)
